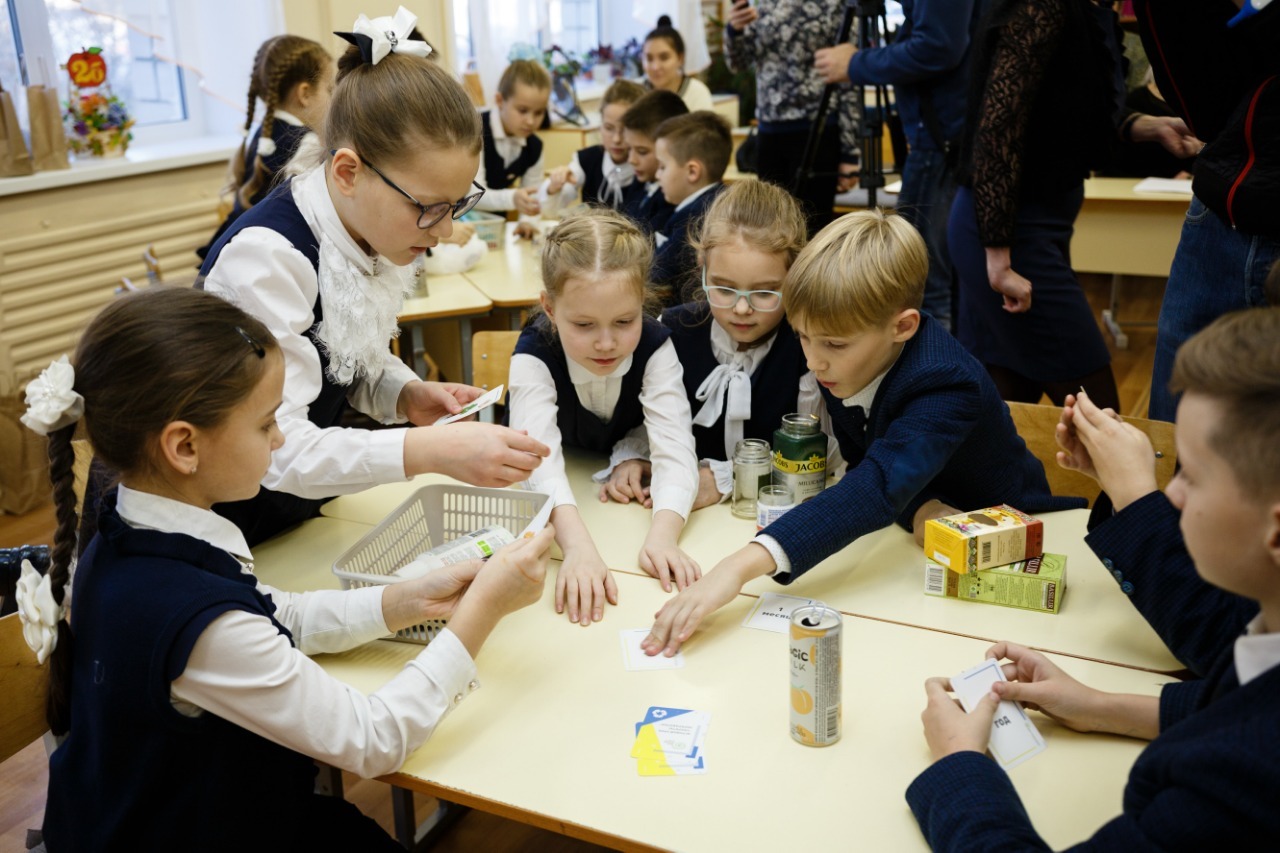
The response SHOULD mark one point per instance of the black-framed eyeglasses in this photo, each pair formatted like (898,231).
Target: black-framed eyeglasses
(430,214)
(727,297)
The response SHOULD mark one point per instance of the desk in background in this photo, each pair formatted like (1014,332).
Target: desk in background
(510,277)
(446,297)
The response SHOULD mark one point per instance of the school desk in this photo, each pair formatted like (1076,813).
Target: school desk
(880,576)
(443,297)
(547,739)
(511,277)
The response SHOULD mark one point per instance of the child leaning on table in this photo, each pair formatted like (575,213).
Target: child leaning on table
(639,124)
(1209,778)
(184,688)
(602,172)
(921,426)
(512,149)
(594,371)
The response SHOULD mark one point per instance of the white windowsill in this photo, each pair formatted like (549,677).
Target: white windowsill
(138,160)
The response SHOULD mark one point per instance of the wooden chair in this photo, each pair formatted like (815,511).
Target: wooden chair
(22,684)
(491,362)
(1036,423)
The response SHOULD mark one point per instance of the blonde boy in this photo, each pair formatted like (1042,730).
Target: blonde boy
(512,151)
(918,420)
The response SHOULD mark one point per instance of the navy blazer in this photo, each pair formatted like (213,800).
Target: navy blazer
(1142,547)
(937,429)
(1207,782)
(674,261)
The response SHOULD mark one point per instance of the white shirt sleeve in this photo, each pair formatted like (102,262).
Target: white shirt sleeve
(568,193)
(532,178)
(262,273)
(493,200)
(328,621)
(245,671)
(380,400)
(674,485)
(533,407)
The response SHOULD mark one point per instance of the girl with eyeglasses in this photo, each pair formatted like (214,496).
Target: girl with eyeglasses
(743,366)
(594,371)
(324,263)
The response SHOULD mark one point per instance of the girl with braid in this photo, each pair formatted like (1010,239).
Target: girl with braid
(192,712)
(293,77)
(324,262)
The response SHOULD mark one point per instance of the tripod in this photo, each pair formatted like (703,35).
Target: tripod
(872,26)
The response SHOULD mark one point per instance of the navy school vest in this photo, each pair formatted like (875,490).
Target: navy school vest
(133,773)
(579,427)
(775,384)
(263,516)
(498,175)
(592,161)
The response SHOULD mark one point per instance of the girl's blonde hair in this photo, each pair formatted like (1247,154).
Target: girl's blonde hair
(280,64)
(391,110)
(763,215)
(591,242)
(858,271)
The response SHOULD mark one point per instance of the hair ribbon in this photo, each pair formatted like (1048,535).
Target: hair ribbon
(388,34)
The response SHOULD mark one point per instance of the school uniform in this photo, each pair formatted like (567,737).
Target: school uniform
(192,694)
(505,160)
(287,133)
(290,263)
(932,426)
(561,403)
(600,180)
(649,208)
(1208,781)
(675,260)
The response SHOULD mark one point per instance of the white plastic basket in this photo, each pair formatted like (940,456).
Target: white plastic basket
(432,515)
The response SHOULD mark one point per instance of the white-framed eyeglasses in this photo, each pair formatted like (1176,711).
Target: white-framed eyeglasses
(727,297)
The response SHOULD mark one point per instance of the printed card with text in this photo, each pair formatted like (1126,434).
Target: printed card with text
(669,742)
(484,401)
(1014,738)
(772,612)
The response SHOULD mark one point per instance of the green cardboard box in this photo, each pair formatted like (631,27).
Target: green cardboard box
(1035,584)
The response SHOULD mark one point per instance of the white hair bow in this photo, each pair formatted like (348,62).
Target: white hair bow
(380,36)
(52,401)
(37,611)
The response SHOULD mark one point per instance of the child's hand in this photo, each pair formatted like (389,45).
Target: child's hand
(628,482)
(424,403)
(1041,686)
(526,230)
(462,234)
(929,509)
(947,727)
(559,177)
(514,576)
(708,492)
(527,201)
(1116,454)
(676,621)
(476,453)
(666,562)
(583,585)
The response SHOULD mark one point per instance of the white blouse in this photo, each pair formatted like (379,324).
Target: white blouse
(262,273)
(667,423)
(245,671)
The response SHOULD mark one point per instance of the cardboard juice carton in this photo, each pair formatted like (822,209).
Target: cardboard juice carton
(972,541)
(1035,584)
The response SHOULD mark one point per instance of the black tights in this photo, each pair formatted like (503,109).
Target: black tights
(1013,386)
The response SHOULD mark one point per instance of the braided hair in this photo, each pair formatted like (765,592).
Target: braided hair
(280,64)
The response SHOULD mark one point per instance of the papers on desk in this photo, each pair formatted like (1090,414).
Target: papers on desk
(1014,738)
(669,742)
(1180,186)
(772,612)
(484,401)
(634,658)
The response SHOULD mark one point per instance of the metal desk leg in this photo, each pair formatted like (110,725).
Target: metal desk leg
(464,331)
(409,833)
(1110,316)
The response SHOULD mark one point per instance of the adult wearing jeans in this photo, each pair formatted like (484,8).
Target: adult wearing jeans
(927,64)
(1224,81)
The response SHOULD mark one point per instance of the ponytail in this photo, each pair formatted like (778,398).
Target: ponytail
(61,473)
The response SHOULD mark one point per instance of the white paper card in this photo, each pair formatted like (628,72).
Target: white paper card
(484,401)
(772,612)
(1014,738)
(634,658)
(1180,186)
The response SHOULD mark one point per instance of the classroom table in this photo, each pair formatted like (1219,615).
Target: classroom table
(547,738)
(446,297)
(879,576)
(511,277)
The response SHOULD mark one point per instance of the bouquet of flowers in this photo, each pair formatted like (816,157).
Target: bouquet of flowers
(97,123)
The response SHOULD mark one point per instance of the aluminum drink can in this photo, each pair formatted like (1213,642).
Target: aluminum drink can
(815,675)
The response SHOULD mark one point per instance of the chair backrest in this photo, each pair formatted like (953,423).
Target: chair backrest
(152,262)
(1036,423)
(491,359)
(22,684)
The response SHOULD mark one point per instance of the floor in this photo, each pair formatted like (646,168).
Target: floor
(23,777)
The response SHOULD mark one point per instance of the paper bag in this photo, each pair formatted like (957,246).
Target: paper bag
(48,139)
(15,160)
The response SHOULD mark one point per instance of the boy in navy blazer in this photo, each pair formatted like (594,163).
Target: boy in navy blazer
(693,152)
(918,420)
(1209,778)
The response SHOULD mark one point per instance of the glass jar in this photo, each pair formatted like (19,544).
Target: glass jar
(752,471)
(800,456)
(772,503)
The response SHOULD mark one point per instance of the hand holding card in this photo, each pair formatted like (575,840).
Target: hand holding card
(1014,738)
(484,401)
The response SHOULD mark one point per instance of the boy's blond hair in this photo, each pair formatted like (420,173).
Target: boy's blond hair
(1236,363)
(704,136)
(525,71)
(857,273)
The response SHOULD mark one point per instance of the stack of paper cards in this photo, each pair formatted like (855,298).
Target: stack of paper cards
(1014,738)
(669,742)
